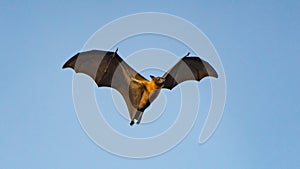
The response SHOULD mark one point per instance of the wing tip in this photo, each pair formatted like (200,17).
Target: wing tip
(65,66)
(211,71)
(215,74)
(71,62)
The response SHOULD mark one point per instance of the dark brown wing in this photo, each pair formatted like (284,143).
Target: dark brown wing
(107,69)
(188,68)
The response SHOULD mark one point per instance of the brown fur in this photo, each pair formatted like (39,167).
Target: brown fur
(150,87)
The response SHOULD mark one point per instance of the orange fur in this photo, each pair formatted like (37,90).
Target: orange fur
(150,88)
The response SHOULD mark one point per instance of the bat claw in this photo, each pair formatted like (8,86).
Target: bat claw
(131,123)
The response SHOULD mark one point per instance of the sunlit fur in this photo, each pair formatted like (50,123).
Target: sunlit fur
(156,83)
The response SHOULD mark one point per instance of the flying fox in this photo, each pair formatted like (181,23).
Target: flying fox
(108,69)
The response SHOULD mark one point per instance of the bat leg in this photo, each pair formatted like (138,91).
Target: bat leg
(135,117)
(139,118)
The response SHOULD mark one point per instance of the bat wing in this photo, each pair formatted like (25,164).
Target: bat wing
(188,68)
(107,69)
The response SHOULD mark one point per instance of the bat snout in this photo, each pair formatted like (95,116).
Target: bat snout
(162,80)
(159,81)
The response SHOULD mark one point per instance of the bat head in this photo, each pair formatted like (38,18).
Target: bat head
(159,81)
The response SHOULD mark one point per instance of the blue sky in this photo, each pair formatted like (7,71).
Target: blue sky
(258,43)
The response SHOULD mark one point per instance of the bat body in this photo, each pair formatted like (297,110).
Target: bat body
(108,69)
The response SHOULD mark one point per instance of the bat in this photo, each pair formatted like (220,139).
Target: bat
(108,69)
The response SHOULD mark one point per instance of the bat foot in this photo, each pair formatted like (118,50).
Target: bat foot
(131,123)
(138,122)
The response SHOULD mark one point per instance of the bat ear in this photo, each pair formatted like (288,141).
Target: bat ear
(151,76)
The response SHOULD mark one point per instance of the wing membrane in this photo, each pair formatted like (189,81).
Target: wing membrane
(188,68)
(107,69)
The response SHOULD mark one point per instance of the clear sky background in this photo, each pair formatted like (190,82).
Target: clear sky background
(258,43)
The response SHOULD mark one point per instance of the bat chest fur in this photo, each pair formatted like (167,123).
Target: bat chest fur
(150,93)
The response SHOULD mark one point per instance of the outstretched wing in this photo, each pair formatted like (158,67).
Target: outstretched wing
(188,68)
(107,69)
